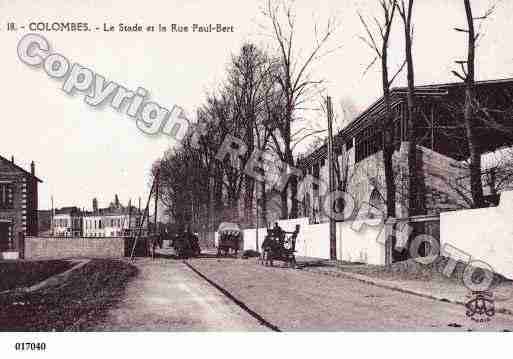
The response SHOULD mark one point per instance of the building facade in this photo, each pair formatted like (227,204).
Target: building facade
(110,222)
(18,203)
(442,151)
(67,222)
(44,219)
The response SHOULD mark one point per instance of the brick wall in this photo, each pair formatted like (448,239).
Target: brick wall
(36,247)
(17,214)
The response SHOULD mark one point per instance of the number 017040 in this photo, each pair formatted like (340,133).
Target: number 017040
(28,346)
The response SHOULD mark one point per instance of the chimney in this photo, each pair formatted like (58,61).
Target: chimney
(33,168)
(12,159)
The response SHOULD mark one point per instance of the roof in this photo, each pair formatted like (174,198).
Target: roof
(228,226)
(20,168)
(68,210)
(398,95)
(112,211)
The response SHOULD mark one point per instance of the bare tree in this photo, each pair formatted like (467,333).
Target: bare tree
(471,107)
(380,47)
(248,83)
(296,83)
(415,205)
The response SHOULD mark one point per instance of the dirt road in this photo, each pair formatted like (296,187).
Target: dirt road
(168,296)
(295,300)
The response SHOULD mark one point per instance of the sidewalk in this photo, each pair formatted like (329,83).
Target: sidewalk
(438,289)
(166,296)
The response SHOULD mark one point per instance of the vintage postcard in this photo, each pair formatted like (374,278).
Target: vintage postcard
(255,166)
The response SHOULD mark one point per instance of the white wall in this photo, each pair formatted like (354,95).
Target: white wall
(486,234)
(249,238)
(365,245)
(313,241)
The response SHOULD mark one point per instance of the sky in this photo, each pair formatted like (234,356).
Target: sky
(82,152)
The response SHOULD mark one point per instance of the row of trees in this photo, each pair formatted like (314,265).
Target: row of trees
(473,114)
(263,101)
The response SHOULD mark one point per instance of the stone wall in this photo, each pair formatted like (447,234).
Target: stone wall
(446,182)
(37,247)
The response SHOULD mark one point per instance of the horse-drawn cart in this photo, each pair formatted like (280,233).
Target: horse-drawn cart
(186,244)
(230,237)
(279,245)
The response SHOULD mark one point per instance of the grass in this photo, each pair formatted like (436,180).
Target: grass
(76,305)
(17,274)
(412,270)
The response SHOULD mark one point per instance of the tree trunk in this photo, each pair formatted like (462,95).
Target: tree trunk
(414,200)
(476,185)
(284,203)
(249,182)
(263,202)
(294,210)
(388,141)
(249,187)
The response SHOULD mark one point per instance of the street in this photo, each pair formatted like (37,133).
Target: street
(168,296)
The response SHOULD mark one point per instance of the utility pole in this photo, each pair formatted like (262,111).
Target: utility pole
(157,175)
(211,221)
(333,235)
(129,215)
(53,216)
(256,231)
(146,216)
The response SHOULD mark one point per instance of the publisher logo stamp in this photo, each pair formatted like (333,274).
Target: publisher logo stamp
(481,308)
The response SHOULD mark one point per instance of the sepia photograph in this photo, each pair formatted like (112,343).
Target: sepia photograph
(208,173)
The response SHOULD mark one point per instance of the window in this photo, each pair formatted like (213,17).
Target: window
(6,195)
(6,236)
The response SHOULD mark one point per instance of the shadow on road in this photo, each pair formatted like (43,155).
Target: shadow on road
(322,263)
(172,255)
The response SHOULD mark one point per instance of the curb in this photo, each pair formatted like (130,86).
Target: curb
(241,304)
(58,278)
(377,283)
(53,281)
